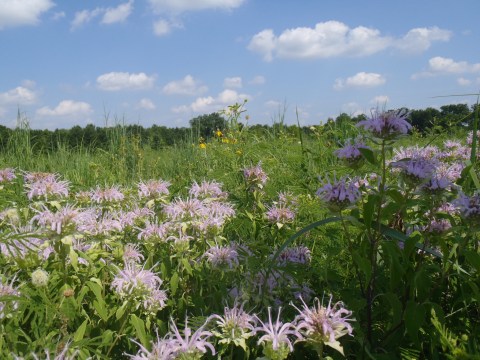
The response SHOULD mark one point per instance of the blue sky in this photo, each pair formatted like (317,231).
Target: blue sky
(66,63)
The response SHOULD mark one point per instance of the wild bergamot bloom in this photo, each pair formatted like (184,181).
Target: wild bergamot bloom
(351,154)
(191,345)
(278,337)
(324,325)
(340,194)
(386,124)
(235,326)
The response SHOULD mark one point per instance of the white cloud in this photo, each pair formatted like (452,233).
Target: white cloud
(85,16)
(115,81)
(212,104)
(361,79)
(232,82)
(463,82)
(447,65)
(179,6)
(380,100)
(187,86)
(420,39)
(334,38)
(327,39)
(118,14)
(24,12)
(59,15)
(439,65)
(21,95)
(146,104)
(258,80)
(67,108)
(162,27)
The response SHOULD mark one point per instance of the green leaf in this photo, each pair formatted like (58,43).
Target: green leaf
(139,326)
(363,265)
(101,309)
(121,310)
(369,155)
(369,209)
(187,266)
(414,319)
(174,283)
(473,258)
(80,333)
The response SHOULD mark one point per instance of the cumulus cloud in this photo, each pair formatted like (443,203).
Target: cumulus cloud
(463,82)
(439,65)
(187,86)
(118,14)
(67,108)
(85,16)
(334,38)
(146,104)
(232,82)
(21,95)
(211,104)
(162,27)
(115,81)
(180,6)
(420,39)
(258,80)
(25,12)
(361,79)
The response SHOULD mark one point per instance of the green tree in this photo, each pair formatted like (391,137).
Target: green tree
(205,125)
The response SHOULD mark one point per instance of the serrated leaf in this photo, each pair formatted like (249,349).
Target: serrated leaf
(174,283)
(139,326)
(369,155)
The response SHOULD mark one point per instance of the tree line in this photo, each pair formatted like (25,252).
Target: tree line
(204,127)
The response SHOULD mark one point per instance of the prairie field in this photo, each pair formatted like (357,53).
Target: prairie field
(352,240)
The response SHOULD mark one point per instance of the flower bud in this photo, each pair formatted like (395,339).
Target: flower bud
(39,278)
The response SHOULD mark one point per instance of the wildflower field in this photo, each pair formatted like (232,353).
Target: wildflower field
(360,243)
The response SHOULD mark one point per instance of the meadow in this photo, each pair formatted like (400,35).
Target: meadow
(358,241)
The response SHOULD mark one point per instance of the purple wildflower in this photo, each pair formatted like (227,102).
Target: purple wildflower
(153,189)
(99,225)
(280,214)
(439,226)
(416,169)
(132,254)
(236,325)
(255,177)
(162,349)
(7,175)
(340,194)
(386,125)
(7,306)
(57,221)
(468,206)
(47,187)
(276,336)
(320,324)
(190,343)
(207,189)
(222,255)
(296,255)
(107,195)
(140,286)
(351,154)
(153,231)
(184,209)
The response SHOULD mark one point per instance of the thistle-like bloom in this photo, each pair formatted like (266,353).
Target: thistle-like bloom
(277,337)
(351,154)
(58,221)
(40,278)
(190,344)
(140,286)
(47,186)
(280,214)
(255,177)
(236,325)
(320,324)
(184,210)
(296,255)
(132,254)
(7,306)
(340,194)
(207,189)
(438,226)
(7,175)
(416,170)
(386,125)
(112,194)
(162,349)
(153,231)
(65,353)
(222,255)
(153,189)
(468,206)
